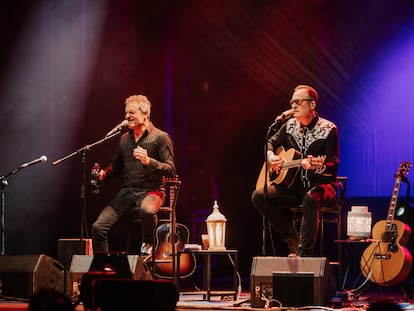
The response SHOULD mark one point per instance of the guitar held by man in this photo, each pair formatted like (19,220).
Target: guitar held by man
(387,261)
(289,161)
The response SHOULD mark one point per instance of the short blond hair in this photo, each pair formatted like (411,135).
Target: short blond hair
(142,101)
(311,91)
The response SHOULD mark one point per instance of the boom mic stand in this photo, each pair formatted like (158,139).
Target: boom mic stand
(3,184)
(273,128)
(83,151)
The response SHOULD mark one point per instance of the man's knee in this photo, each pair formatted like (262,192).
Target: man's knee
(97,229)
(310,202)
(257,199)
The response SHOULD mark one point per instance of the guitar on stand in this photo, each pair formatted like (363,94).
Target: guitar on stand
(170,237)
(387,261)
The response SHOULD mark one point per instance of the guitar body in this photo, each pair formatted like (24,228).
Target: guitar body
(389,261)
(287,173)
(163,248)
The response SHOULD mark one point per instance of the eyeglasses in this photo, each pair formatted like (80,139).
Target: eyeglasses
(299,102)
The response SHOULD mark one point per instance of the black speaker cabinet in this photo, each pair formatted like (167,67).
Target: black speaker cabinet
(148,295)
(23,275)
(82,263)
(293,281)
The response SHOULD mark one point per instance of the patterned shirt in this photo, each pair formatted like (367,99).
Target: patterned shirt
(320,138)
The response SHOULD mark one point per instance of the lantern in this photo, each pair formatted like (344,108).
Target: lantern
(216,229)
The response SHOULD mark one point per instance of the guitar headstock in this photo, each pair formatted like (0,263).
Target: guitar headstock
(403,169)
(96,184)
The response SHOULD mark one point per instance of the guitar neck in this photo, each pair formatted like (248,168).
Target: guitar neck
(293,163)
(393,204)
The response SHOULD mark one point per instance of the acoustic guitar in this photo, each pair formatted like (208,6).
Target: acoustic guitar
(292,160)
(386,261)
(164,241)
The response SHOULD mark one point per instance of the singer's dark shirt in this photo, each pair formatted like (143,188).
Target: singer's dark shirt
(139,178)
(320,138)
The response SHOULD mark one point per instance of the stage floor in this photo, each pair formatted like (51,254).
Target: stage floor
(196,302)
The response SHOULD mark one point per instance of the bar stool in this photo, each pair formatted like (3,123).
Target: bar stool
(166,213)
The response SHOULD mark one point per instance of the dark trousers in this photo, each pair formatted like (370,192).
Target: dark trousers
(276,208)
(147,203)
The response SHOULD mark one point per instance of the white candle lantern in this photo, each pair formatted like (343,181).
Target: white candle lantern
(216,229)
(359,223)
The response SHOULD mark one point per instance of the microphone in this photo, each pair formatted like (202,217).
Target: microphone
(42,159)
(117,128)
(284,115)
(280,119)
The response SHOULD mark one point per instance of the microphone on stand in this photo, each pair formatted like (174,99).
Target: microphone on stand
(284,116)
(117,128)
(42,159)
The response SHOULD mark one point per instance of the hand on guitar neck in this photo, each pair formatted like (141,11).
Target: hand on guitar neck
(283,160)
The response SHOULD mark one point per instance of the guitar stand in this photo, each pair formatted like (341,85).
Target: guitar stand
(273,128)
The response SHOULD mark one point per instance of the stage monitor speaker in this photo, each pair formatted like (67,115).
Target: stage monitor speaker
(293,281)
(69,247)
(23,275)
(149,295)
(81,264)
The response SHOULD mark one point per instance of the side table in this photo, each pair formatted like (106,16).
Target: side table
(207,292)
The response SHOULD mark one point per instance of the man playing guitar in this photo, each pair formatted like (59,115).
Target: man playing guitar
(308,169)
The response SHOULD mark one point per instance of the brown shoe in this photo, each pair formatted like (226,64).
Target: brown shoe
(293,243)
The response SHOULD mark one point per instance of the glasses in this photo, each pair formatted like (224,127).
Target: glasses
(299,102)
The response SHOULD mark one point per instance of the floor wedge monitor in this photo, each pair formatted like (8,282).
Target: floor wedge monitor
(23,275)
(293,282)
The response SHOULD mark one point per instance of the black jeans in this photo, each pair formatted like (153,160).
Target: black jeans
(276,208)
(147,203)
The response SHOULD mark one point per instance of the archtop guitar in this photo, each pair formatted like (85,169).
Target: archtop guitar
(386,260)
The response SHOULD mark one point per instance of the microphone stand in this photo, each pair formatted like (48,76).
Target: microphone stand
(273,128)
(83,150)
(3,184)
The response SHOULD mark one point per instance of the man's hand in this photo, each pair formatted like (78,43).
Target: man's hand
(141,155)
(313,163)
(101,175)
(275,162)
